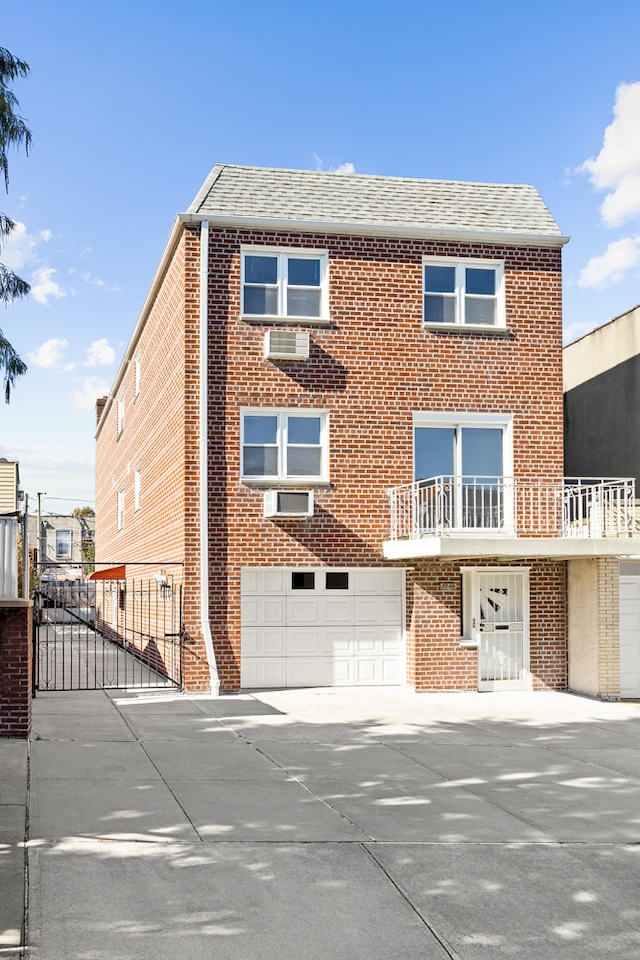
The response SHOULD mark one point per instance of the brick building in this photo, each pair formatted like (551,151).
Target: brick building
(352,385)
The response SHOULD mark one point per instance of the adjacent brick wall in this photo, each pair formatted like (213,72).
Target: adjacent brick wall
(609,628)
(371,370)
(16,646)
(160,437)
(436,659)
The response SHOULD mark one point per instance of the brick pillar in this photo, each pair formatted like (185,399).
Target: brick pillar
(609,628)
(16,648)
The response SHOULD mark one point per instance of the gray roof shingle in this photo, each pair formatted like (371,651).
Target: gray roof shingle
(319,197)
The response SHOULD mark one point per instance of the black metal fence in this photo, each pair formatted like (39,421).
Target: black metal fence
(92,634)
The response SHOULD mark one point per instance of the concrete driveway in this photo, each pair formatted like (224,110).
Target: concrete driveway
(330,823)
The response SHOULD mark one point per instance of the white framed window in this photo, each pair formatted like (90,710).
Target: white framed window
(136,489)
(463,467)
(136,376)
(120,507)
(63,544)
(120,413)
(465,293)
(282,445)
(285,284)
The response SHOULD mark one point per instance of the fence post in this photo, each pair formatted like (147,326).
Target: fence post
(16,652)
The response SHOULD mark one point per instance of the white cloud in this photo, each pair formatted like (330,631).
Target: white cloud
(100,354)
(616,169)
(21,247)
(49,354)
(63,471)
(573,331)
(613,265)
(341,168)
(44,287)
(96,281)
(90,389)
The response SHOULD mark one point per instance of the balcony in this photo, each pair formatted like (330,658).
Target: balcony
(460,516)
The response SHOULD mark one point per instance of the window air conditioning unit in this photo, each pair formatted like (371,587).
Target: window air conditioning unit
(288,503)
(286,345)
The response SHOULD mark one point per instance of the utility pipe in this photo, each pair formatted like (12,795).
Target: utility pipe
(205,623)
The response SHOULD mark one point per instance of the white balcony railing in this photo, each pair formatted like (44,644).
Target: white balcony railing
(449,506)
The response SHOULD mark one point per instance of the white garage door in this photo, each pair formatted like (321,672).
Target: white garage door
(321,626)
(629,636)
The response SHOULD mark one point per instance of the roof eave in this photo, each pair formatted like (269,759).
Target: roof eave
(380,229)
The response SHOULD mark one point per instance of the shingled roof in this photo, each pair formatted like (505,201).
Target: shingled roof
(316,198)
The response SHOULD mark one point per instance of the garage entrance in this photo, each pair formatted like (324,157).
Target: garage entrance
(322,626)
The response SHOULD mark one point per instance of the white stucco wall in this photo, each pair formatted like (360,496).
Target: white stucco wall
(582,629)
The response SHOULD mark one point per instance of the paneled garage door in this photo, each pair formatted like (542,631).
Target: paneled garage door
(321,626)
(629,632)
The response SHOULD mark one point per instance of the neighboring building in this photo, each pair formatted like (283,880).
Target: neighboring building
(63,545)
(353,385)
(602,394)
(10,501)
(602,438)
(10,493)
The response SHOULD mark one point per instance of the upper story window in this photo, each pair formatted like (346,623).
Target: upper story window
(120,507)
(279,445)
(136,370)
(472,446)
(461,462)
(120,413)
(136,489)
(463,293)
(63,544)
(290,285)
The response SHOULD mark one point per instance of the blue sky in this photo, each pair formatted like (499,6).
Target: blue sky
(131,104)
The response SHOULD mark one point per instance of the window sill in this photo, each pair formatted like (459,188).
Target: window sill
(469,643)
(468,329)
(275,483)
(291,321)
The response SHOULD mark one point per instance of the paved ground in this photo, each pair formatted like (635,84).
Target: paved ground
(325,824)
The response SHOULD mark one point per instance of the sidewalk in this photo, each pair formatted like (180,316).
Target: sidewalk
(13,812)
(330,823)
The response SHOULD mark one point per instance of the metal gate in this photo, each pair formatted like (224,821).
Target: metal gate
(93,634)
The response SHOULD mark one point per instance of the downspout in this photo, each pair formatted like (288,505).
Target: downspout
(214,679)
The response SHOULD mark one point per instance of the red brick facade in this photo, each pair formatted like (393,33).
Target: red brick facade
(370,370)
(16,678)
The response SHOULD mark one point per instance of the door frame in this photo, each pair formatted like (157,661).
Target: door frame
(471,623)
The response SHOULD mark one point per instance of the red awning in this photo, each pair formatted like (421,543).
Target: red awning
(111,573)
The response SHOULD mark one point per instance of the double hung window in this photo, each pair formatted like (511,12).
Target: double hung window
(284,445)
(63,544)
(137,375)
(460,466)
(466,293)
(291,284)
(136,489)
(120,414)
(120,509)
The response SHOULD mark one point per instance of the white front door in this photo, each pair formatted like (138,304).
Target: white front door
(501,619)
